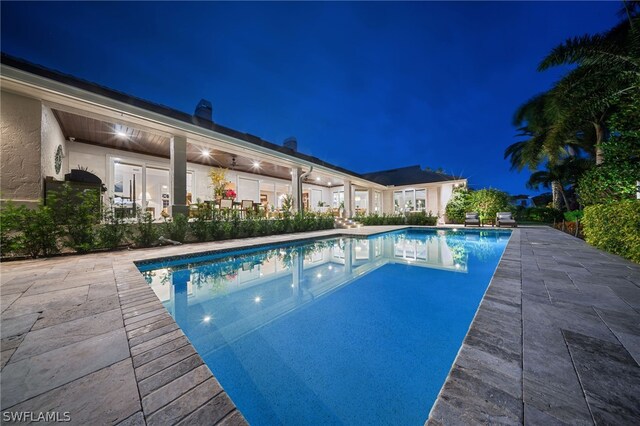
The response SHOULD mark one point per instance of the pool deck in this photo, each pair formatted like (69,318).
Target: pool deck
(556,340)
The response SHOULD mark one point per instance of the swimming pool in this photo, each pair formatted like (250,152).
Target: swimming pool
(334,331)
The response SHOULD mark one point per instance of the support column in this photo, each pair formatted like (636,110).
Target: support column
(179,296)
(370,198)
(178,175)
(348,207)
(348,257)
(296,189)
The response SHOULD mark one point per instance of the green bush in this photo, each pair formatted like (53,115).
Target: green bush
(538,214)
(416,218)
(614,227)
(31,232)
(488,202)
(176,228)
(112,231)
(146,233)
(459,204)
(78,213)
(573,216)
(615,179)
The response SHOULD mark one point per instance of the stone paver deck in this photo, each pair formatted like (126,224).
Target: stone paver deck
(556,340)
(86,335)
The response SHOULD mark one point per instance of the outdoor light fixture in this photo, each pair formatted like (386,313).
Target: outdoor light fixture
(318,178)
(205,152)
(256,164)
(121,134)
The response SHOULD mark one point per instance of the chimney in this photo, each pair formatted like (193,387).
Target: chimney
(204,110)
(291,143)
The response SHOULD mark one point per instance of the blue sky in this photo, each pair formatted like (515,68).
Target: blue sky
(367,86)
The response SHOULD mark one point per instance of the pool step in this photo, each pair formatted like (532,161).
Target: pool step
(342,223)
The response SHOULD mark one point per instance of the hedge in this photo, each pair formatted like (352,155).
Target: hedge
(614,227)
(416,218)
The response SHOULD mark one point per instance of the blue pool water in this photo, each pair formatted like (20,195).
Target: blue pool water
(340,331)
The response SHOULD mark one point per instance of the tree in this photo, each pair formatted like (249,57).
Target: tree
(617,178)
(536,121)
(607,74)
(459,204)
(488,202)
(560,175)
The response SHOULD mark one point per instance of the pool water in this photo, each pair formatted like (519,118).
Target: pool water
(339,331)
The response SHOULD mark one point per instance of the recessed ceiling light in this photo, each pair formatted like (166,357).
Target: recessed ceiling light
(256,164)
(121,134)
(205,152)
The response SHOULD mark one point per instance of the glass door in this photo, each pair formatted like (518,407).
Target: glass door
(157,195)
(127,188)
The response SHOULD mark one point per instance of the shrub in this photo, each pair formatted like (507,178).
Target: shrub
(112,231)
(488,202)
(416,218)
(615,179)
(573,216)
(146,233)
(538,214)
(458,205)
(421,218)
(176,228)
(614,227)
(78,213)
(11,219)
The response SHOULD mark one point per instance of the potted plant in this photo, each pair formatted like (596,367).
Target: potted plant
(218,177)
(229,193)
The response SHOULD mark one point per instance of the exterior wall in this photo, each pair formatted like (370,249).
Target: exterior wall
(20,171)
(436,203)
(52,137)
(97,160)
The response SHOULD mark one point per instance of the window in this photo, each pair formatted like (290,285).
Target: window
(338,199)
(361,201)
(421,200)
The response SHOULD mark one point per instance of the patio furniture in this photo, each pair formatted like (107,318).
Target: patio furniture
(472,218)
(505,219)
(245,207)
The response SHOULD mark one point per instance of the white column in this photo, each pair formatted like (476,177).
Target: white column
(296,189)
(370,197)
(348,202)
(178,174)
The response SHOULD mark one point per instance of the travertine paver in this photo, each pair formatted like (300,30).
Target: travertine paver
(87,335)
(558,344)
(556,340)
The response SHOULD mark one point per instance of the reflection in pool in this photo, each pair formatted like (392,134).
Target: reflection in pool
(348,330)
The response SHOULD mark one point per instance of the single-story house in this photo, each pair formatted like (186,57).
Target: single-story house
(158,158)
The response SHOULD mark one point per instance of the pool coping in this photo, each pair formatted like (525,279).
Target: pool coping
(492,379)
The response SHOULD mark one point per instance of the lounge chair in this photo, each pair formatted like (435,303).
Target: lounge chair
(472,219)
(505,219)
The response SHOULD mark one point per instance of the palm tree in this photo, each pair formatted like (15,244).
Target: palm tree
(558,176)
(537,121)
(607,74)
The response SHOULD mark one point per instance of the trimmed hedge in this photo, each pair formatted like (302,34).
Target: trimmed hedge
(614,227)
(417,218)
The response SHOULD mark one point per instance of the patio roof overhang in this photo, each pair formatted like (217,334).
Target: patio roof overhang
(68,100)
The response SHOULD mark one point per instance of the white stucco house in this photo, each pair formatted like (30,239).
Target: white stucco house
(159,158)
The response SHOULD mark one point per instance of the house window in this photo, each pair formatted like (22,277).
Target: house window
(338,199)
(421,200)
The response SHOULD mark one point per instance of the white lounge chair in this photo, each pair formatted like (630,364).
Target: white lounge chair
(505,219)
(472,219)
